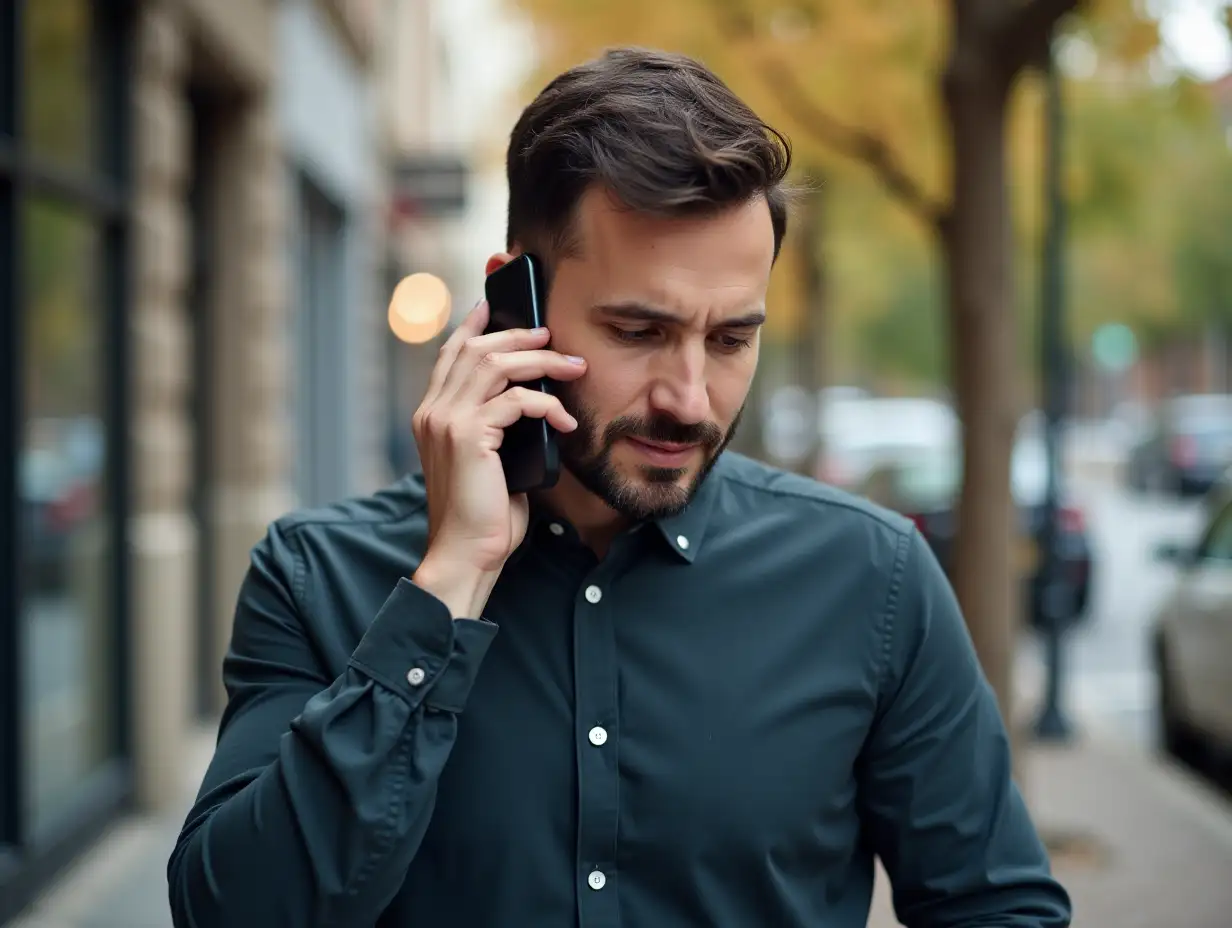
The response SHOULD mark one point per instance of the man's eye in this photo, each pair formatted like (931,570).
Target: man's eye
(632,336)
(733,342)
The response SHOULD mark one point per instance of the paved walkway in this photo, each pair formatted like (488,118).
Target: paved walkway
(1141,844)
(1138,843)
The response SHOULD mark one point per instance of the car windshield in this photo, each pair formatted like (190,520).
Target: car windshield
(1201,407)
(932,480)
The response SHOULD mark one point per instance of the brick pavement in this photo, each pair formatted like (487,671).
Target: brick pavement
(1163,848)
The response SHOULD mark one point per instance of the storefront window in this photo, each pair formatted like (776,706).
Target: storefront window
(64,129)
(60,105)
(64,524)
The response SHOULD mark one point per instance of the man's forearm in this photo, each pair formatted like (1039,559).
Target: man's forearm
(328,830)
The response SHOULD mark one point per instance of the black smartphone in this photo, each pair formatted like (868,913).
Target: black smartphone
(516,297)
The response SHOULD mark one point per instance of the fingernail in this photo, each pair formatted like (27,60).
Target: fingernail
(541,330)
(574,359)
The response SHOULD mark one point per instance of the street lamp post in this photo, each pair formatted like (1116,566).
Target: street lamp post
(1052,724)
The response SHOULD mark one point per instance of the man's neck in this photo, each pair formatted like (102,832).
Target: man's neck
(595,522)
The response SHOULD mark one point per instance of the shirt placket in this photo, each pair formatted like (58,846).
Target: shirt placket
(597,738)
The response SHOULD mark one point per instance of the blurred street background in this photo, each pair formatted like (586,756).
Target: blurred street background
(1005,313)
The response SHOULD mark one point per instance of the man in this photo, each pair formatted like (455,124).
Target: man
(679,688)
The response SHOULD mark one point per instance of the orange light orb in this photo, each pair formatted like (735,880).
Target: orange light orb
(419,308)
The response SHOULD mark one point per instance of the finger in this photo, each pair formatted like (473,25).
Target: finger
(472,325)
(516,402)
(497,370)
(478,347)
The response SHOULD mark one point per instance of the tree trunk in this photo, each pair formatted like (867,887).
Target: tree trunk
(810,362)
(976,247)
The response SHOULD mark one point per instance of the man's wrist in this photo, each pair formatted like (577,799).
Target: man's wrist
(463,588)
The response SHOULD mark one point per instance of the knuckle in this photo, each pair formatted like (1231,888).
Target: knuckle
(454,431)
(522,395)
(490,361)
(430,421)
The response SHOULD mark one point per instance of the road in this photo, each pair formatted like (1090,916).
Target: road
(1110,683)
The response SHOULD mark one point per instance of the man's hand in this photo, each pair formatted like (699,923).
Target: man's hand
(474,524)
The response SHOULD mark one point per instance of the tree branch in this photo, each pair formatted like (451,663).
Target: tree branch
(854,143)
(1025,31)
(736,23)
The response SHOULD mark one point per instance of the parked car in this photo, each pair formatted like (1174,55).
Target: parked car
(1187,446)
(925,488)
(1192,645)
(860,434)
(58,477)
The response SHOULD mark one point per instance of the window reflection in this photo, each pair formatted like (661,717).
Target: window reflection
(60,109)
(64,535)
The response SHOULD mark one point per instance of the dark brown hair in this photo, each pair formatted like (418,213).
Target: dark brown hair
(659,131)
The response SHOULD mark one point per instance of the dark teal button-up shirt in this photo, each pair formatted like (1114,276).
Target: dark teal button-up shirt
(718,724)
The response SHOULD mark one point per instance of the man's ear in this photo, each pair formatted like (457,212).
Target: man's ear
(500,259)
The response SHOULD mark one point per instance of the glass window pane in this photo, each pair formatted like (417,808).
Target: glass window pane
(60,105)
(65,535)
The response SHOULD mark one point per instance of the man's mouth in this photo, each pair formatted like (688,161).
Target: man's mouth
(664,453)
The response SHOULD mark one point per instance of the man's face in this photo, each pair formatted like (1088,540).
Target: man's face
(667,314)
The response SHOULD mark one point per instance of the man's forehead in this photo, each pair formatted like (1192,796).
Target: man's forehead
(678,264)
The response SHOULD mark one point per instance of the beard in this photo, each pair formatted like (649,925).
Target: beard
(586,452)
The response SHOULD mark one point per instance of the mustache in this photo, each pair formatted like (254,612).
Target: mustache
(664,429)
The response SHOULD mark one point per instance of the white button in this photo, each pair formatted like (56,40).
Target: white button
(683,542)
(415,676)
(556,528)
(596,880)
(598,736)
(593,594)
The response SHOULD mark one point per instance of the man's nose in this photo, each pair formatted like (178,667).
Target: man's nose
(680,388)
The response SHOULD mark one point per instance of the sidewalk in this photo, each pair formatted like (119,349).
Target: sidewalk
(1150,846)
(1137,842)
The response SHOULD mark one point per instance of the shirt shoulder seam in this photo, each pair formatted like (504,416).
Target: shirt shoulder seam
(292,525)
(808,497)
(890,613)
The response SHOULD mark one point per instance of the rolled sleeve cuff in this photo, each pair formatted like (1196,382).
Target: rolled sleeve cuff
(417,649)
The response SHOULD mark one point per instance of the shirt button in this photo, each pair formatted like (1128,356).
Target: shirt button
(556,528)
(683,542)
(415,676)
(593,594)
(596,880)
(598,736)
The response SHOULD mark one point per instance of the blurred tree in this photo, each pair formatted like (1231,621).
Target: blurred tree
(1202,247)
(919,93)
(906,341)
(1146,157)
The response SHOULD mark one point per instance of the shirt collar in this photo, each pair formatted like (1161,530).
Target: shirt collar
(683,532)
(686,530)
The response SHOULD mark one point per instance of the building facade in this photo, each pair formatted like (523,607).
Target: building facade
(452,77)
(335,189)
(189,239)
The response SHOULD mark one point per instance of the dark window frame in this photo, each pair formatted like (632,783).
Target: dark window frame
(27,860)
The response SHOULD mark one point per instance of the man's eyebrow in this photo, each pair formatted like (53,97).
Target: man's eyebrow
(643,312)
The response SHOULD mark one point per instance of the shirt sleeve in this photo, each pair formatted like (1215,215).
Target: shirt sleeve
(320,791)
(937,793)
